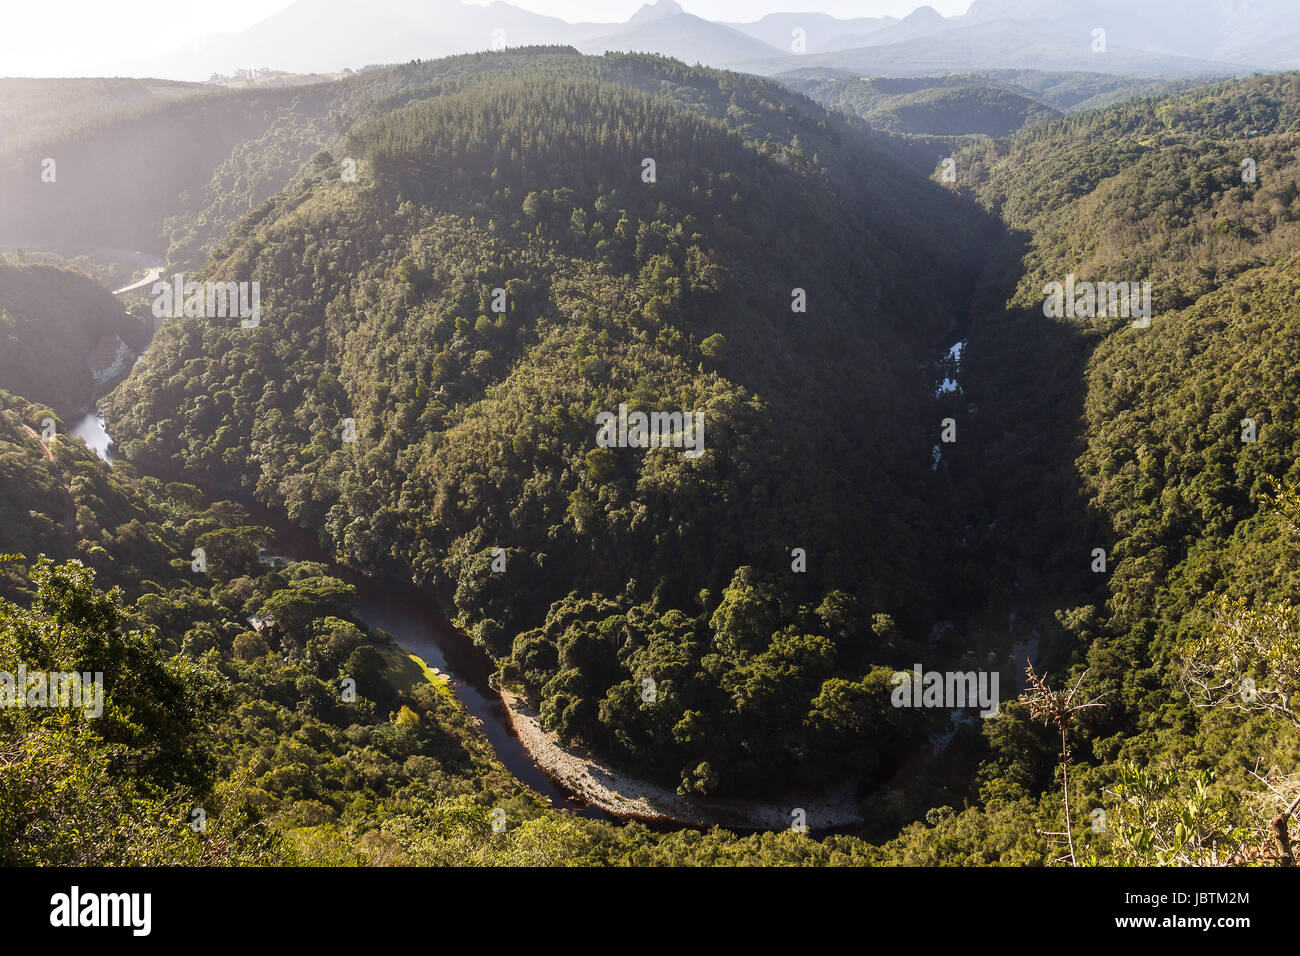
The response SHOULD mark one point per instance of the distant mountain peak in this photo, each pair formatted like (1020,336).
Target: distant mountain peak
(923,14)
(660,10)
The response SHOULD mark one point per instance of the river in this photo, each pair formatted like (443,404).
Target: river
(411,617)
(416,624)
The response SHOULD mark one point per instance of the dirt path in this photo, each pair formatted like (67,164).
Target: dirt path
(44,447)
(70,506)
(626,796)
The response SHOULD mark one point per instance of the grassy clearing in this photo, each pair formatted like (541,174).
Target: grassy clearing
(403,670)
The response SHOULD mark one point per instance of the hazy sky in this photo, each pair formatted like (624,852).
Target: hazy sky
(739,11)
(66,37)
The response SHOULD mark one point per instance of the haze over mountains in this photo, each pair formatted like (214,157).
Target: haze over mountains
(1148,37)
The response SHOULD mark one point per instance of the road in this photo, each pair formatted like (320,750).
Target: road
(151,262)
(150,278)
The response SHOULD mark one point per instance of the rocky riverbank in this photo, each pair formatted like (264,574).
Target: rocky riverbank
(626,796)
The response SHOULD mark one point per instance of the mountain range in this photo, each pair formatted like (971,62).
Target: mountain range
(1143,37)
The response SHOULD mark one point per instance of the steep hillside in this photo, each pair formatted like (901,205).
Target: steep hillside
(64,502)
(1186,191)
(1119,479)
(31,109)
(53,325)
(112,179)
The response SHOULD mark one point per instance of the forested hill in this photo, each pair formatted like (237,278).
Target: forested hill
(927,118)
(476,427)
(940,106)
(1159,186)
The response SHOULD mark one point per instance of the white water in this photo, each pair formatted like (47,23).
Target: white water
(949,366)
(91,430)
(91,426)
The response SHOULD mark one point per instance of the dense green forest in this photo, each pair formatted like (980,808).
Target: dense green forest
(476,428)
(220,744)
(1161,446)
(464,263)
